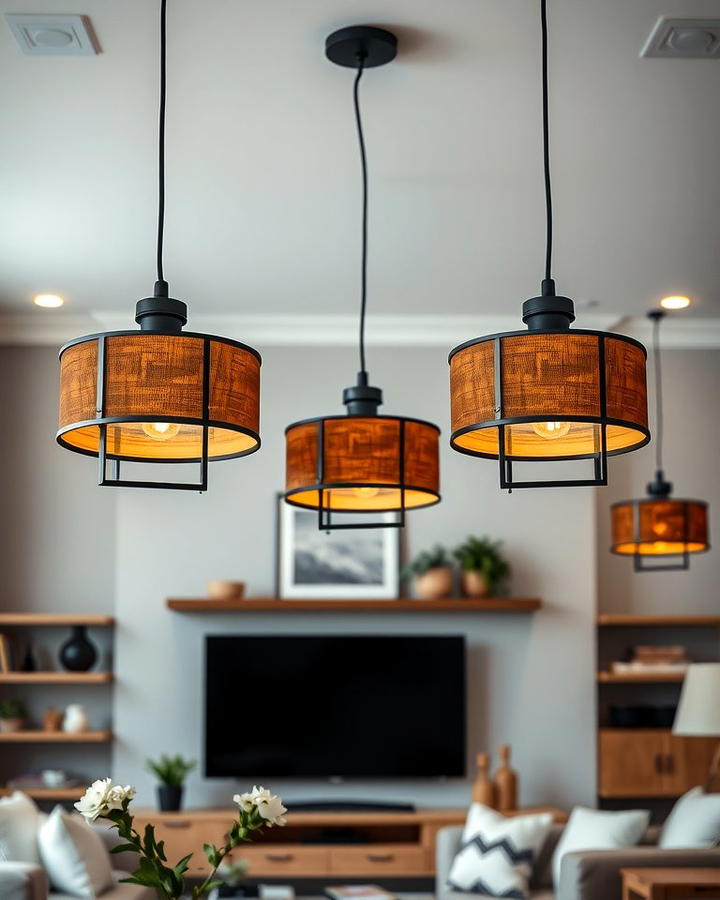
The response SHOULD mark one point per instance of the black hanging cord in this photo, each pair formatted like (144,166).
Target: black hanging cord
(363,263)
(546,143)
(658,393)
(161,146)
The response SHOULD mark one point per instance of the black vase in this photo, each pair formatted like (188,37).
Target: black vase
(169,798)
(78,654)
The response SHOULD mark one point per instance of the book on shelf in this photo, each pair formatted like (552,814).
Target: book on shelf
(6,658)
(359,892)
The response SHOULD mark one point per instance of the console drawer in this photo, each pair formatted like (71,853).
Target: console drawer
(381,859)
(283,859)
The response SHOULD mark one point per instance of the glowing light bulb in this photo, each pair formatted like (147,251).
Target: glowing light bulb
(48,301)
(161,431)
(676,301)
(551,430)
(660,528)
(366,492)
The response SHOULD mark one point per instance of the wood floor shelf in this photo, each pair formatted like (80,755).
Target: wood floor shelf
(56,677)
(262,604)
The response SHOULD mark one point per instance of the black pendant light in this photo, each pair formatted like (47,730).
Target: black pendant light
(550,393)
(159,394)
(659,527)
(361,462)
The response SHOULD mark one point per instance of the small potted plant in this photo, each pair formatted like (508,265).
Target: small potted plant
(13,714)
(484,570)
(171,772)
(431,573)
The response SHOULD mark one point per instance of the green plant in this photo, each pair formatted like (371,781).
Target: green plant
(484,556)
(437,558)
(13,709)
(171,770)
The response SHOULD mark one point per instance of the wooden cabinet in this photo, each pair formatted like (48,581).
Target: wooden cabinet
(650,763)
(376,861)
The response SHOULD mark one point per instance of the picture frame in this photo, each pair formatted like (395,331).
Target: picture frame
(347,564)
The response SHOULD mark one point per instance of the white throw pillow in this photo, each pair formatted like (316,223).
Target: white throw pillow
(694,822)
(594,829)
(497,853)
(19,825)
(74,856)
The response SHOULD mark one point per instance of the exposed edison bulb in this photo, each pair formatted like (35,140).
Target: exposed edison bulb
(161,431)
(551,430)
(660,528)
(675,301)
(366,492)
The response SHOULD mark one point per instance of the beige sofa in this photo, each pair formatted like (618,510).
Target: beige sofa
(587,875)
(25,881)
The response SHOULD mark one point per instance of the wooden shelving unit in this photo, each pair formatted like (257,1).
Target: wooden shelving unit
(624,620)
(272,604)
(56,677)
(60,620)
(55,737)
(46,793)
(640,677)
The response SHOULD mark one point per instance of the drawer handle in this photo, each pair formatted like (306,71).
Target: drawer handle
(177,824)
(380,857)
(279,857)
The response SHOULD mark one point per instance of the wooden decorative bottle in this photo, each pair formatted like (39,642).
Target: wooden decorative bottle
(505,783)
(483,789)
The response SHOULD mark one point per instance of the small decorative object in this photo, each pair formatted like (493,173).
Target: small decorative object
(483,790)
(52,719)
(225,590)
(13,714)
(78,654)
(506,783)
(75,720)
(257,809)
(352,565)
(484,571)
(171,772)
(431,573)
(53,778)
(231,874)
(29,663)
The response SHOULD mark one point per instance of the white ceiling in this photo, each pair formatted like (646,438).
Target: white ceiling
(263,180)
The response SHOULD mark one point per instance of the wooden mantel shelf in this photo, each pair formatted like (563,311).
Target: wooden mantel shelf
(273,605)
(55,737)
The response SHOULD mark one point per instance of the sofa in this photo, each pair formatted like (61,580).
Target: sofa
(586,875)
(26,881)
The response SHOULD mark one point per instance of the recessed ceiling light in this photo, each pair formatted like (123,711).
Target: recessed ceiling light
(675,301)
(48,301)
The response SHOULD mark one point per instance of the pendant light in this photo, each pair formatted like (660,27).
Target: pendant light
(659,526)
(550,393)
(361,462)
(159,394)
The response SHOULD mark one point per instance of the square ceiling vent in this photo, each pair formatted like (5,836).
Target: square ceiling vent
(684,39)
(48,35)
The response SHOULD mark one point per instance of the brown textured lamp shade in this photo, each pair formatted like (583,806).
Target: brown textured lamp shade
(548,395)
(362,463)
(659,526)
(155,394)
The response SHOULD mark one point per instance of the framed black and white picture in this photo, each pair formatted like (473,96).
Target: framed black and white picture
(361,564)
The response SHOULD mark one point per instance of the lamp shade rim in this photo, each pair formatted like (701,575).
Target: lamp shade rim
(347,418)
(669,499)
(288,496)
(527,332)
(139,332)
(642,551)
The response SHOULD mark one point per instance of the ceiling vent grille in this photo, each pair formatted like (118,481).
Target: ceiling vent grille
(684,39)
(48,35)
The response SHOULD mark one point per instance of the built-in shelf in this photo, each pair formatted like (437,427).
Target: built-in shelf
(46,793)
(640,677)
(55,737)
(609,619)
(485,604)
(9,619)
(56,677)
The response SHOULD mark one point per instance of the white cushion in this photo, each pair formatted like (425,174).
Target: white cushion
(74,856)
(594,829)
(694,822)
(19,825)
(496,855)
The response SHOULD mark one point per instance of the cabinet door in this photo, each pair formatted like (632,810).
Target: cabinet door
(688,762)
(630,762)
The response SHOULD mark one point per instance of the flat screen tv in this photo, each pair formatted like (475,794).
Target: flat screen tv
(334,706)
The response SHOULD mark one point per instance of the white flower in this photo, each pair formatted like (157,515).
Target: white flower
(102,797)
(269,806)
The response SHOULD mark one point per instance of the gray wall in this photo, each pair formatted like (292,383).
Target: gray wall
(691,452)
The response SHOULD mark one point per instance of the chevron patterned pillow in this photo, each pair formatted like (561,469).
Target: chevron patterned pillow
(497,853)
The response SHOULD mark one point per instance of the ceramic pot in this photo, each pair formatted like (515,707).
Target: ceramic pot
(8,725)
(75,720)
(78,654)
(169,798)
(225,590)
(474,584)
(434,584)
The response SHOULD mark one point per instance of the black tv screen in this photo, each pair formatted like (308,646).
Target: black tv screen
(334,706)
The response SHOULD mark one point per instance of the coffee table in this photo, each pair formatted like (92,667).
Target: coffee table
(671,883)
